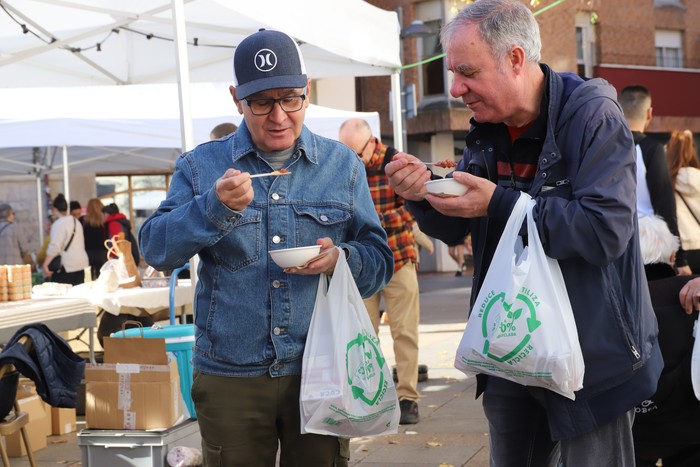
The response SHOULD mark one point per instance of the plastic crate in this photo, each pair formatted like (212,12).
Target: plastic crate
(135,448)
(179,339)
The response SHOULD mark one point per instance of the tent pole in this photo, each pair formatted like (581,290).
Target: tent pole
(40,209)
(397,110)
(183,75)
(66,181)
(183,83)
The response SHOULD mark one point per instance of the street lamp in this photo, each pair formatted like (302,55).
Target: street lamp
(416,29)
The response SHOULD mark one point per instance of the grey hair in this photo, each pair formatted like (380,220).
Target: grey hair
(502,25)
(5,210)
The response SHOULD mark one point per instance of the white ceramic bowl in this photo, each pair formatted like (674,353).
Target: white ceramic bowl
(445,187)
(294,257)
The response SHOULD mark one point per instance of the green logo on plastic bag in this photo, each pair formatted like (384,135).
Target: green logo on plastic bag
(507,321)
(365,367)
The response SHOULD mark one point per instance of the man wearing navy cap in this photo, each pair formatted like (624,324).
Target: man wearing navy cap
(251,316)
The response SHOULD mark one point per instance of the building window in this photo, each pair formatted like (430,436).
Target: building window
(585,44)
(137,196)
(669,49)
(433,72)
(432,77)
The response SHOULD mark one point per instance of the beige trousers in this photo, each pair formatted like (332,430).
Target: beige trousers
(402,304)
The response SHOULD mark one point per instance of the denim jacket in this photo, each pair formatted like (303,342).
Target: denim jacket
(252,318)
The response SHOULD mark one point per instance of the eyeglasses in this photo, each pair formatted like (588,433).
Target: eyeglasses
(265,106)
(359,154)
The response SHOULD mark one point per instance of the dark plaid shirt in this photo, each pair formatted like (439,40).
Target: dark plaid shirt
(393,215)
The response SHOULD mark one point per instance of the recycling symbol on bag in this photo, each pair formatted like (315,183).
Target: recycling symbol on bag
(508,326)
(367,367)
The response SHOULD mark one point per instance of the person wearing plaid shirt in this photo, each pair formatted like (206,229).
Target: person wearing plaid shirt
(401,298)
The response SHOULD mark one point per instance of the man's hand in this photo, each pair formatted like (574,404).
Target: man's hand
(235,189)
(474,203)
(690,296)
(323,263)
(407,178)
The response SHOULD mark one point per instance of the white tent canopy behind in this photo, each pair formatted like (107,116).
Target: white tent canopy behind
(136,46)
(139,123)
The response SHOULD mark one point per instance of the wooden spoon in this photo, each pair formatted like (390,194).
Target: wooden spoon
(274,173)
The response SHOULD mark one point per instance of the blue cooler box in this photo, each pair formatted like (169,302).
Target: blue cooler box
(179,339)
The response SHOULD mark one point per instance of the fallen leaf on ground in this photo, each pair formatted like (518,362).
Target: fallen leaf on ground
(433,444)
(393,441)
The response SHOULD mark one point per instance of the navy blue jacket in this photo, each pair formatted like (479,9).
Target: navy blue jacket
(55,369)
(586,216)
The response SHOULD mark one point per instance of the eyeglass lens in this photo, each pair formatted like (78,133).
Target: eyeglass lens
(265,106)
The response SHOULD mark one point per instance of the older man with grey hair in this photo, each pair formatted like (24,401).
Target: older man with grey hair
(11,247)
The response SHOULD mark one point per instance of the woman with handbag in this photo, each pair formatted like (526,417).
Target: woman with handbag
(66,258)
(684,169)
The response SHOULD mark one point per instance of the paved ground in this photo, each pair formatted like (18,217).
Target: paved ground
(452,431)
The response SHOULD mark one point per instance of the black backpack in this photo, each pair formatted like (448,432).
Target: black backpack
(126,228)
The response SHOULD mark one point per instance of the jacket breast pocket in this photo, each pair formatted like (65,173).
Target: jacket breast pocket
(314,222)
(242,245)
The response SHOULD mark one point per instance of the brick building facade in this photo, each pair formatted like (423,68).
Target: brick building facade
(650,42)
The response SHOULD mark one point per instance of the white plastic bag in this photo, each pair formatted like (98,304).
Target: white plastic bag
(695,360)
(346,386)
(522,327)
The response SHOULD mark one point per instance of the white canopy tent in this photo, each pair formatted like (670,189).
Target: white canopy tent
(117,42)
(137,123)
(102,42)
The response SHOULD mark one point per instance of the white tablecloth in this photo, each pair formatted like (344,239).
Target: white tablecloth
(58,314)
(137,297)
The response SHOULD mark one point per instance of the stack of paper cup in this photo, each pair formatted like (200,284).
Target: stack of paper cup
(19,282)
(3,283)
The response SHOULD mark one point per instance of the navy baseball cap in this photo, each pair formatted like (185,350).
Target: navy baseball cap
(267,60)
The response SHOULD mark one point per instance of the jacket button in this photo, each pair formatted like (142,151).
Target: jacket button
(275,196)
(276,331)
(324,218)
(276,239)
(276,284)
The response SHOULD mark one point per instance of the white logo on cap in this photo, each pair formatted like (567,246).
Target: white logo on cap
(265,60)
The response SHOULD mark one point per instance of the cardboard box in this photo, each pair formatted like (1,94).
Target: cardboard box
(38,428)
(135,389)
(62,421)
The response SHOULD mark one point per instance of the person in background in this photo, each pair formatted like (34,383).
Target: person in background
(66,240)
(113,220)
(654,190)
(221,130)
(684,168)
(12,247)
(456,252)
(690,296)
(76,210)
(401,295)
(252,317)
(564,141)
(422,242)
(41,254)
(116,222)
(94,232)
